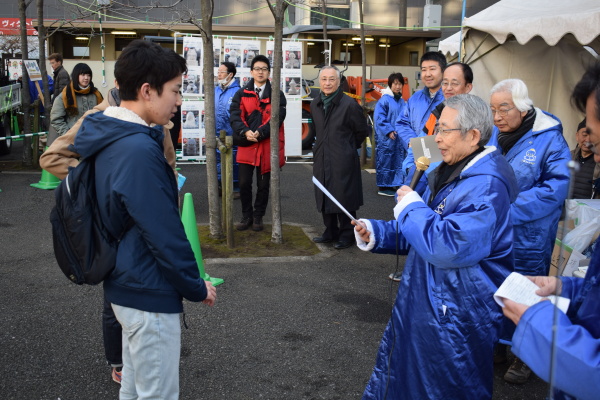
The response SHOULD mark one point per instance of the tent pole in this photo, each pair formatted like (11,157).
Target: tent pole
(462,24)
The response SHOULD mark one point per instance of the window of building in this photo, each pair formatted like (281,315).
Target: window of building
(341,11)
(413,58)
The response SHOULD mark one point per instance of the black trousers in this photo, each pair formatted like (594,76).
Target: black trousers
(338,226)
(112,335)
(246,171)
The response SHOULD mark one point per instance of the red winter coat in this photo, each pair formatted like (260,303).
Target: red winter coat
(250,113)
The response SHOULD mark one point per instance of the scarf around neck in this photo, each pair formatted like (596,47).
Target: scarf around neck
(327,99)
(507,140)
(69,97)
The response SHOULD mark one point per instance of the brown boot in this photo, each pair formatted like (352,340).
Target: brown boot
(244,224)
(257,225)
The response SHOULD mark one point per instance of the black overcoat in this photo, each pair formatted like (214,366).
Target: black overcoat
(336,165)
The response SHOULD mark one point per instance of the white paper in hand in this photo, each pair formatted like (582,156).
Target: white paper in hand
(518,288)
(334,200)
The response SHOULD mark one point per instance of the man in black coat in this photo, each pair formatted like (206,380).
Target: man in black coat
(341,127)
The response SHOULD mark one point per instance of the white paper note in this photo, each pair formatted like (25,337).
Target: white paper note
(518,288)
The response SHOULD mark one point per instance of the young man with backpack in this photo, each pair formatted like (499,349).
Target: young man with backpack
(57,160)
(155,266)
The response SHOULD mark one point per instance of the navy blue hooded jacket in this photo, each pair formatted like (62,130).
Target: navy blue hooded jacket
(155,265)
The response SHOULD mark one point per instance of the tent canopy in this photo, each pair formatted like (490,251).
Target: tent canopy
(549,19)
(538,41)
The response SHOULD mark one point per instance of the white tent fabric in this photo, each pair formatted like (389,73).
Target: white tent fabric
(538,41)
(450,46)
(550,19)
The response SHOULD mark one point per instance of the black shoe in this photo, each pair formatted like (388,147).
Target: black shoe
(244,224)
(321,239)
(342,244)
(257,226)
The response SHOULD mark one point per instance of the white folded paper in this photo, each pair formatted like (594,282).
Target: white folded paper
(518,288)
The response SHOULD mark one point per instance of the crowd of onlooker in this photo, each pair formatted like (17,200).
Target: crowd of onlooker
(490,205)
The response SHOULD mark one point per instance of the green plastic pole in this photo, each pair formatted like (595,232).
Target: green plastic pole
(188,218)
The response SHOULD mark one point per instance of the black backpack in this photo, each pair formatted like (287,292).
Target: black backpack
(85,250)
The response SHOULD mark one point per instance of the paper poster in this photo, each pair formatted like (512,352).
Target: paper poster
(270,51)
(250,49)
(292,55)
(192,130)
(291,83)
(244,78)
(15,69)
(232,52)
(33,70)
(192,51)
(217,54)
(192,82)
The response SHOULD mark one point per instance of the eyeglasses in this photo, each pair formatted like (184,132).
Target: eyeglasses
(258,69)
(443,132)
(453,84)
(221,72)
(329,80)
(503,112)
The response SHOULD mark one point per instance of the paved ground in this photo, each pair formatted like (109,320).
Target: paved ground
(304,329)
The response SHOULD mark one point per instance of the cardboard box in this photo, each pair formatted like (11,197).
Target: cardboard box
(563,264)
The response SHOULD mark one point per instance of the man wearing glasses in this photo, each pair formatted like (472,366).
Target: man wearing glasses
(341,128)
(250,120)
(458,235)
(227,87)
(532,142)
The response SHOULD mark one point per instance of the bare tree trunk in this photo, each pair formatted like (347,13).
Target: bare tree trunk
(363,52)
(42,62)
(25,101)
(278,13)
(214,211)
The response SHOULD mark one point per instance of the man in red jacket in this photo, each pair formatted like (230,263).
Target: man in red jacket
(250,120)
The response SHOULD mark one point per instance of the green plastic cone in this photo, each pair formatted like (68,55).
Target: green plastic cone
(47,182)
(188,218)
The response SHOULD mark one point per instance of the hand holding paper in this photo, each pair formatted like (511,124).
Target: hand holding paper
(520,289)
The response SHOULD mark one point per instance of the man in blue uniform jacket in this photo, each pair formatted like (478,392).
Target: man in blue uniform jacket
(577,347)
(440,338)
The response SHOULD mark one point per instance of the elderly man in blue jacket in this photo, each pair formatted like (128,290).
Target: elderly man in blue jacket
(577,345)
(532,142)
(155,267)
(440,338)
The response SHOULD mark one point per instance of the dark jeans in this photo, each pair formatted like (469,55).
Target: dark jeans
(338,226)
(112,333)
(262,191)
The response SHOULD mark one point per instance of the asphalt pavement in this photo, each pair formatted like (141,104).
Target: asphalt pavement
(282,328)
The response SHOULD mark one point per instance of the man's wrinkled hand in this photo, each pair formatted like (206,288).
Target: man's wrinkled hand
(364,234)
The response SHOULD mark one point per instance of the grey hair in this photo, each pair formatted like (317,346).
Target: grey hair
(339,74)
(518,90)
(473,113)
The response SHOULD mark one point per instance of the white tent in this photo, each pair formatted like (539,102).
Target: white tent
(450,46)
(538,41)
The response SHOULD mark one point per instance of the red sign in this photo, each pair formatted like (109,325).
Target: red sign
(12,27)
